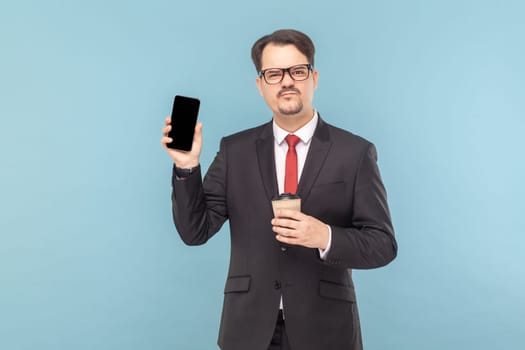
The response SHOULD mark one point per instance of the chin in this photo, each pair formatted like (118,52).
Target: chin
(296,108)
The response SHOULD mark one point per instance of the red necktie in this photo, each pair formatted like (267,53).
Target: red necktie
(290,176)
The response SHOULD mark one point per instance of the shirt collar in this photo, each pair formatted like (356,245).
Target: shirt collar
(305,133)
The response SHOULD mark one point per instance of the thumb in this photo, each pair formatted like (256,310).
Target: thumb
(198,132)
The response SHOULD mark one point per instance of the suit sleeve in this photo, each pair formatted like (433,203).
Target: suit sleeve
(199,208)
(369,242)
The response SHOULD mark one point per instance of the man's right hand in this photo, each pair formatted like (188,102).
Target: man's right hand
(183,159)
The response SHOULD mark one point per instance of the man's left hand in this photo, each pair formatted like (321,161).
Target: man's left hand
(296,228)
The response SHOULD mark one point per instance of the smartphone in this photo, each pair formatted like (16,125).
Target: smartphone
(183,120)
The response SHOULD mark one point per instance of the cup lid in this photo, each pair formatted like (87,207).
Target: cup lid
(286,196)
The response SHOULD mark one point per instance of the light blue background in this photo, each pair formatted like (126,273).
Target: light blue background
(89,257)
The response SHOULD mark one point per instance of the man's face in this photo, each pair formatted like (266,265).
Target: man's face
(289,97)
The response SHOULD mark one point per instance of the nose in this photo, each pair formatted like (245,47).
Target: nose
(287,80)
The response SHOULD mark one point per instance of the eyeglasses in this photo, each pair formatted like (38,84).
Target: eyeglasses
(298,72)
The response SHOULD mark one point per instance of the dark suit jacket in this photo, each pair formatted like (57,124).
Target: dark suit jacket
(341,186)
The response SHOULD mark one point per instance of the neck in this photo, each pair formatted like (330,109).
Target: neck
(292,123)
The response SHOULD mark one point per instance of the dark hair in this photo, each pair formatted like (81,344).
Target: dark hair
(284,37)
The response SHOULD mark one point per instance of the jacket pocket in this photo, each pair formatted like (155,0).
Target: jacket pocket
(337,186)
(336,291)
(237,284)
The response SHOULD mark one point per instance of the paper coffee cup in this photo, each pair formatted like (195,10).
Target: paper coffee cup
(286,201)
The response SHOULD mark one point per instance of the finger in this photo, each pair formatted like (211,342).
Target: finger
(165,140)
(166,130)
(287,240)
(286,232)
(285,223)
(291,214)
(167,121)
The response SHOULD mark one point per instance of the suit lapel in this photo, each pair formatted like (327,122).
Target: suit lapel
(266,160)
(315,159)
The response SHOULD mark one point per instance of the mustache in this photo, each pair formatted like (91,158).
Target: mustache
(285,90)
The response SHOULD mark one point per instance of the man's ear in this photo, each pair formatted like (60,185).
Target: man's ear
(315,75)
(258,83)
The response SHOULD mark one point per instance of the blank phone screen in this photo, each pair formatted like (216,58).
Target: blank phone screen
(183,120)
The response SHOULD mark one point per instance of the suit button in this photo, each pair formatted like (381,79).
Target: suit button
(284,248)
(277,284)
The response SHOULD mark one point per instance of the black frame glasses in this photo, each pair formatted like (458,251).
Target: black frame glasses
(274,76)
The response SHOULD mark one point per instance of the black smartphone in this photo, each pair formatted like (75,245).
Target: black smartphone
(183,120)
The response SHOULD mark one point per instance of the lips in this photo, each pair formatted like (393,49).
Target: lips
(288,92)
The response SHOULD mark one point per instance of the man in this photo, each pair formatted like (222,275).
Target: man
(289,282)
